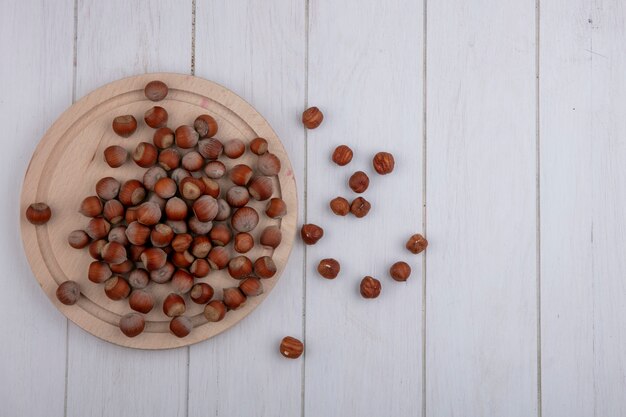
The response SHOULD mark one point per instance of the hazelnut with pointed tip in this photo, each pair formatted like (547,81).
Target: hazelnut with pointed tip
(124,126)
(68,292)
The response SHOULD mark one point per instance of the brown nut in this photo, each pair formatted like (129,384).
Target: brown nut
(200,268)
(164,274)
(153,258)
(138,278)
(311,233)
(182,281)
(268,164)
(176,209)
(137,233)
(191,188)
(123,267)
(218,257)
(161,235)
(198,227)
(152,175)
(163,138)
(68,292)
(115,156)
(116,288)
(240,267)
(205,125)
(166,188)
(38,213)
(145,155)
(383,163)
(243,242)
(215,311)
(95,248)
(312,117)
(210,148)
(113,253)
(328,268)
(193,161)
(416,243)
(340,206)
(156,117)
(240,174)
(237,196)
(181,326)
(271,237)
(149,213)
(276,208)
(205,208)
(258,146)
(264,267)
(78,239)
(342,155)
(132,192)
(141,301)
(99,272)
(113,211)
(118,234)
(156,90)
(186,137)
(359,181)
(220,235)
(107,188)
(132,324)
(174,305)
(91,206)
(124,126)
(182,242)
(370,287)
(291,348)
(131,214)
(211,187)
(400,271)
(178,226)
(215,169)
(360,207)
(261,188)
(182,259)
(223,210)
(233,298)
(251,287)
(97,228)
(201,293)
(234,148)
(200,246)
(245,219)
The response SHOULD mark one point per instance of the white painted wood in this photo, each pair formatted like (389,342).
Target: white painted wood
(582,192)
(117,39)
(364,357)
(36,41)
(257,50)
(481,321)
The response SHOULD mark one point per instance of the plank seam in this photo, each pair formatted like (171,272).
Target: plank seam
(193,37)
(538,197)
(424,173)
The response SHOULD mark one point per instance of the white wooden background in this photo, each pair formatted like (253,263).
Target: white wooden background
(508,122)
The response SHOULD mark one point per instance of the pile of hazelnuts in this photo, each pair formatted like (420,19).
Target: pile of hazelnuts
(383,163)
(175,224)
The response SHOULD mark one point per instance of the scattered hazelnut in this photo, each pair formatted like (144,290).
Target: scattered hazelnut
(360,207)
(193,161)
(116,288)
(186,137)
(135,251)
(218,257)
(234,148)
(311,233)
(107,188)
(161,235)
(118,234)
(201,245)
(243,242)
(178,226)
(416,243)
(276,208)
(261,188)
(268,164)
(237,196)
(258,146)
(153,258)
(132,193)
(291,348)
(251,287)
(132,324)
(264,267)
(182,242)
(166,188)
(174,305)
(240,267)
(99,272)
(141,301)
(205,208)
(169,159)
(223,210)
(215,311)
(137,233)
(97,228)
(115,156)
(181,326)
(138,278)
(370,287)
(342,155)
(240,174)
(383,163)
(329,268)
(78,239)
(359,182)
(145,154)
(163,274)
(200,268)
(245,219)
(211,187)
(201,293)
(198,227)
(124,126)
(113,211)
(156,117)
(91,206)
(149,213)
(122,268)
(182,281)
(156,90)
(191,188)
(113,253)
(163,137)
(68,292)
(312,117)
(182,259)
(340,206)
(95,248)
(400,271)
(215,170)
(233,298)
(205,125)
(271,237)
(176,209)
(220,235)
(210,148)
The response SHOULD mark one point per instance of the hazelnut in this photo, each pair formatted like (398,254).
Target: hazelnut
(99,272)
(210,148)
(205,208)
(193,161)
(329,268)
(400,271)
(152,175)
(233,298)
(223,210)
(291,348)
(205,125)
(191,188)
(201,293)
(131,214)
(156,90)
(118,234)
(98,228)
(237,196)
(218,257)
(138,278)
(312,117)
(115,156)
(185,137)
(113,211)
(268,164)
(135,251)
(201,245)
(91,206)
(215,169)
(178,226)
(243,242)
(340,206)
(360,207)
(416,243)
(198,227)
(215,311)
(165,188)
(311,233)
(370,287)
(156,117)
(141,301)
(163,137)
(261,188)
(132,193)
(181,326)
(124,126)
(383,163)
(182,242)
(132,324)
(264,267)
(276,208)
(95,248)
(161,235)
(174,305)
(68,293)
(220,235)
(169,159)
(153,198)
(211,187)
(200,268)
(342,155)
(153,258)
(182,281)
(240,174)
(113,253)
(38,213)
(122,268)
(182,259)
(164,274)
(145,154)
(234,148)
(359,182)
(137,233)
(258,146)
(245,219)
(176,209)
(107,188)
(271,237)
(251,287)
(149,213)
(116,288)
(78,239)
(240,267)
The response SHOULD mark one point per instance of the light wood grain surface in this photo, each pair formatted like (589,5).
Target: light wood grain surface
(506,119)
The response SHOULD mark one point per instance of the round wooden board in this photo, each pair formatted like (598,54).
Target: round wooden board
(69,161)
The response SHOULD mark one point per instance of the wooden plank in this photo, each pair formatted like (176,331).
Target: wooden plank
(481,311)
(37,43)
(365,73)
(582,191)
(117,39)
(257,50)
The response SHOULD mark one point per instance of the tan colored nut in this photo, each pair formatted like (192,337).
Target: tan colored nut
(312,117)
(359,181)
(156,117)
(68,292)
(124,126)
(311,233)
(115,156)
(38,213)
(342,155)
(360,207)
(340,206)
(132,324)
(291,348)
(383,163)
(400,271)
(205,125)
(328,268)
(370,287)
(416,243)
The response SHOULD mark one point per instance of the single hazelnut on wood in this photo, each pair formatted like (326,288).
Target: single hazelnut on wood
(291,348)
(185,137)
(38,213)
(210,148)
(122,268)
(383,163)
(116,288)
(132,193)
(218,257)
(215,311)
(107,188)
(328,268)
(342,155)
(205,125)
(174,305)
(181,326)
(400,271)
(251,287)
(237,196)
(220,235)
(78,239)
(234,148)
(145,154)
(312,117)
(215,169)
(124,126)
(91,206)
(359,181)
(113,211)
(141,301)
(137,233)
(156,90)
(132,324)
(97,228)
(258,146)
(182,281)
(115,156)
(201,293)
(163,137)
(245,219)
(138,278)
(340,206)
(261,188)
(276,208)
(163,274)
(243,242)
(264,267)
(268,164)
(360,207)
(114,253)
(153,258)
(370,287)
(416,243)
(240,174)
(240,267)
(99,272)
(271,237)
(233,298)
(68,292)
(156,117)
(311,233)
(200,268)
(193,161)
